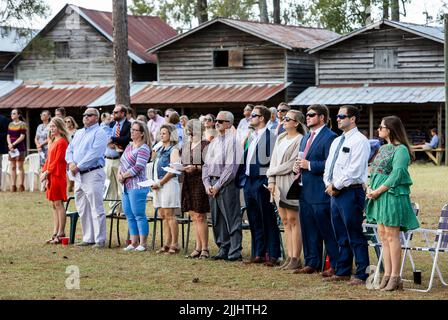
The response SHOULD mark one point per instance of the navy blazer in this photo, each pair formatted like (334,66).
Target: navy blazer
(125,134)
(313,190)
(260,160)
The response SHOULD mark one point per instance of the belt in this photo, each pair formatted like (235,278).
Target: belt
(215,178)
(112,158)
(353,186)
(91,169)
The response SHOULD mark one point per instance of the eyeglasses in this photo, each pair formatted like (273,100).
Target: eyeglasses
(342,116)
(287,119)
(254,115)
(311,114)
(88,115)
(282,110)
(221,121)
(208,119)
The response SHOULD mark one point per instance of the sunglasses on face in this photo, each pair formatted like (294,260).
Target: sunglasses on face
(342,116)
(208,119)
(311,114)
(287,119)
(221,121)
(88,115)
(254,115)
(282,110)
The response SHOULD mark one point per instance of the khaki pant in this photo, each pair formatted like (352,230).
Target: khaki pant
(115,187)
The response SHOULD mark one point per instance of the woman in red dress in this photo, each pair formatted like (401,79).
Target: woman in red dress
(55,177)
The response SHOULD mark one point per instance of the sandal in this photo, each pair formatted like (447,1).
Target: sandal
(52,238)
(173,250)
(205,254)
(195,254)
(163,249)
(57,239)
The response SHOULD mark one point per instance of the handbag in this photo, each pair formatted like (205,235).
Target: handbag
(294,190)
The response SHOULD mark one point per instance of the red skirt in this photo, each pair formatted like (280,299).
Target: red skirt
(57,188)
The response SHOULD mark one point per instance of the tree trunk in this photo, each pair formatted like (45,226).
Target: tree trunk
(201,11)
(120,46)
(263,11)
(385,9)
(276,4)
(368,13)
(395,8)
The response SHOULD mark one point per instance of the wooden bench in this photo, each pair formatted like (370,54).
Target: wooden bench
(436,159)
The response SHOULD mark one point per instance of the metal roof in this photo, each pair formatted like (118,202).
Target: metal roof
(49,95)
(207,93)
(143,31)
(8,86)
(108,99)
(370,95)
(15,39)
(288,37)
(432,33)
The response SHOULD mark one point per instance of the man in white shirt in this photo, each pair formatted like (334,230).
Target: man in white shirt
(243,125)
(345,178)
(154,123)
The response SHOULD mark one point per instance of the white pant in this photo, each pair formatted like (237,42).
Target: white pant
(89,202)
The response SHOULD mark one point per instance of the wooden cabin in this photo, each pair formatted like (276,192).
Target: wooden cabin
(227,63)
(385,68)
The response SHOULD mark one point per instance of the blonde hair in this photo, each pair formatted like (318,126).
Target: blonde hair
(60,125)
(75,125)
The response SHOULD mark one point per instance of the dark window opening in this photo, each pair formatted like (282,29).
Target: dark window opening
(61,49)
(221,58)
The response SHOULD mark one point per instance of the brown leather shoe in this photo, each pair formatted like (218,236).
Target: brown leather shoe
(257,259)
(329,273)
(356,282)
(336,278)
(305,270)
(272,262)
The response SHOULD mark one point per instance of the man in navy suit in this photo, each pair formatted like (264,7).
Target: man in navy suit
(252,176)
(315,209)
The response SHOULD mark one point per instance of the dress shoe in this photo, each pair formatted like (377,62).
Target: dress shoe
(232,259)
(256,259)
(336,278)
(328,273)
(356,282)
(218,257)
(305,270)
(272,262)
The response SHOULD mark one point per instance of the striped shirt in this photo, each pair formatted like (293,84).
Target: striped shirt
(14,132)
(134,161)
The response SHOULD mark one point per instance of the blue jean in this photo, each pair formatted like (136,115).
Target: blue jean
(134,206)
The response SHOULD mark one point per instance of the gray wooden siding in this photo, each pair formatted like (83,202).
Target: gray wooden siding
(191,59)
(91,57)
(353,61)
(8,73)
(300,71)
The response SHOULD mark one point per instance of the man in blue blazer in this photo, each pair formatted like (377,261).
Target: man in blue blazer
(252,177)
(315,210)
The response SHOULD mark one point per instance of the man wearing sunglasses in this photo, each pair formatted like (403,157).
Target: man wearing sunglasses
(345,178)
(282,110)
(85,155)
(252,177)
(315,210)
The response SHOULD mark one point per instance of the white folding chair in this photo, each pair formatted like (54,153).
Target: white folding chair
(5,175)
(32,161)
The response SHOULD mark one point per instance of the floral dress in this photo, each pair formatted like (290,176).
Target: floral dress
(392,208)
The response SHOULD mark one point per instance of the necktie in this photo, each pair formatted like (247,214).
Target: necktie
(307,148)
(117,130)
(335,157)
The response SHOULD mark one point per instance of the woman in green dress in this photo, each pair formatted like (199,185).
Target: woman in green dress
(389,204)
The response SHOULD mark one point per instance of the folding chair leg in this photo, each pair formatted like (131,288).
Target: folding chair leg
(154,229)
(118,232)
(73,222)
(188,236)
(110,229)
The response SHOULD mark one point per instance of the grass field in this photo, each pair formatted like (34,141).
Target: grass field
(30,269)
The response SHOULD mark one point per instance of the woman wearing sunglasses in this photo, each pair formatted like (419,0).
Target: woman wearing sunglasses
(280,177)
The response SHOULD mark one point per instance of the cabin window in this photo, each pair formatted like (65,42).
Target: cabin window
(385,59)
(228,58)
(61,49)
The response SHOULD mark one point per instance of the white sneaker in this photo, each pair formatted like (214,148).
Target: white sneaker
(140,248)
(130,248)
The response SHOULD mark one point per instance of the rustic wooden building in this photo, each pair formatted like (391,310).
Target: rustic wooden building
(385,68)
(227,63)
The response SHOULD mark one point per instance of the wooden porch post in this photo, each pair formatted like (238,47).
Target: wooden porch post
(439,124)
(371,121)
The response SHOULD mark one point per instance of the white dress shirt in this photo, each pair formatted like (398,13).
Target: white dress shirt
(352,163)
(253,146)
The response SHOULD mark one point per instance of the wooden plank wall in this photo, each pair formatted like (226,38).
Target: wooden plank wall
(8,73)
(91,57)
(191,59)
(300,71)
(419,60)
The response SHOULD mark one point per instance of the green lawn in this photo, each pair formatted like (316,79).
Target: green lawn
(30,269)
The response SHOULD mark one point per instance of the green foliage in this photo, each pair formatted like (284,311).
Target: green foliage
(142,8)
(235,9)
(39,47)
(13,11)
